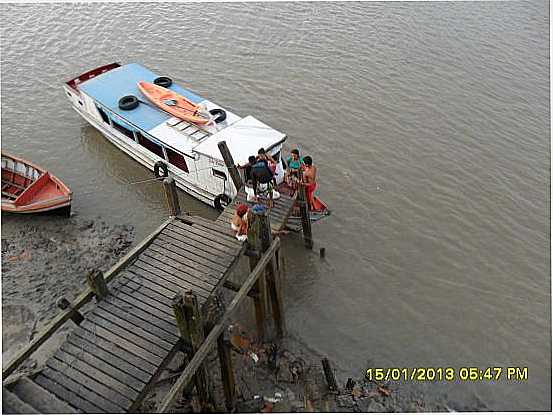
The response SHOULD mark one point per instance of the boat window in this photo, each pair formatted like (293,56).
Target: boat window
(219,173)
(122,129)
(149,145)
(103,115)
(176,159)
(277,156)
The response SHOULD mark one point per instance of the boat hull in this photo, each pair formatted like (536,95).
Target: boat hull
(131,149)
(28,188)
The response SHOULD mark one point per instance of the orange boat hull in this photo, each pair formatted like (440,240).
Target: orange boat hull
(28,188)
(183,108)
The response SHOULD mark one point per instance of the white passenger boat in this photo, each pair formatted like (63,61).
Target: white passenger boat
(109,98)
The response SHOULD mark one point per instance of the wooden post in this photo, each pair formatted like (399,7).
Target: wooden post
(64,304)
(305,221)
(171,196)
(262,225)
(227,374)
(229,162)
(195,332)
(211,339)
(260,300)
(180,317)
(278,287)
(329,375)
(97,284)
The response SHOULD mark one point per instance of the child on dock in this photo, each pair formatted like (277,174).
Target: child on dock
(239,222)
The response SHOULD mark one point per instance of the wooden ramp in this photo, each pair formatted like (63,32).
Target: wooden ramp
(109,361)
(278,214)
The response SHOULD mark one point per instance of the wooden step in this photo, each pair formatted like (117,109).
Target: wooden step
(40,398)
(12,404)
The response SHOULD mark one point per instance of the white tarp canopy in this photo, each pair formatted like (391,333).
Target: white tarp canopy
(243,139)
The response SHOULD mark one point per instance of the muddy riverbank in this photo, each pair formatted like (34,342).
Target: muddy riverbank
(292,380)
(44,258)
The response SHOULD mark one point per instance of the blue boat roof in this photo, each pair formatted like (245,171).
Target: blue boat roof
(110,87)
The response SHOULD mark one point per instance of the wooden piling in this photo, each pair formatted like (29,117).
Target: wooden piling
(64,304)
(171,196)
(263,238)
(305,221)
(329,375)
(216,331)
(229,162)
(97,283)
(227,374)
(260,300)
(195,328)
(189,322)
(180,317)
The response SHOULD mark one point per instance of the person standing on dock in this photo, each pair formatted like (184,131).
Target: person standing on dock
(269,161)
(292,174)
(310,181)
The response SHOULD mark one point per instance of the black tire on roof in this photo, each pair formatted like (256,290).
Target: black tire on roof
(163,81)
(219,114)
(128,102)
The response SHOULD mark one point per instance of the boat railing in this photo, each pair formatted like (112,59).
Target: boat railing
(91,74)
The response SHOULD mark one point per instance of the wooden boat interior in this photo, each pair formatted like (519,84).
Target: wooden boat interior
(17,177)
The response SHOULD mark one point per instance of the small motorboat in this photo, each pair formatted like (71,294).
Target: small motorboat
(173,103)
(28,188)
(110,99)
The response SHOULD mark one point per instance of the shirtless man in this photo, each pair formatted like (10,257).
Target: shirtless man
(310,181)
(309,171)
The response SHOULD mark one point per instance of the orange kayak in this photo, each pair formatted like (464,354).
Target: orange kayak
(27,188)
(171,102)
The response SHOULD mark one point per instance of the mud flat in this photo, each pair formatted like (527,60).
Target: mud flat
(44,258)
(289,377)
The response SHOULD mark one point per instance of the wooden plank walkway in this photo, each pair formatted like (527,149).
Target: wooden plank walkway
(278,214)
(109,361)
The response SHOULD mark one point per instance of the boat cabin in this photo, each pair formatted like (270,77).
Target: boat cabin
(151,135)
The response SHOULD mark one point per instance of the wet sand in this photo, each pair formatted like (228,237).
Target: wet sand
(44,258)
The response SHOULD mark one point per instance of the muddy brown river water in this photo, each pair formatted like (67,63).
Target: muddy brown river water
(430,126)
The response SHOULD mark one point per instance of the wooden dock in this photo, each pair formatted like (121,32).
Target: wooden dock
(279,213)
(108,362)
(149,307)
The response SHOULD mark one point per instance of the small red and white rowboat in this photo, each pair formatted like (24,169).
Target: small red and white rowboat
(28,188)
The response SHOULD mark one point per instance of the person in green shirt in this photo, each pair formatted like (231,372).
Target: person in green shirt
(292,174)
